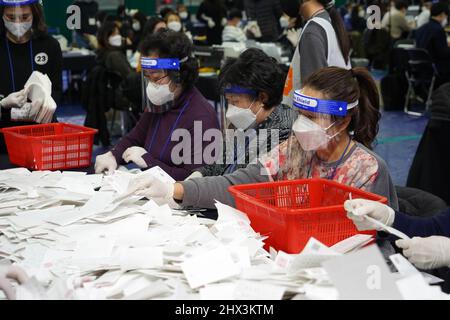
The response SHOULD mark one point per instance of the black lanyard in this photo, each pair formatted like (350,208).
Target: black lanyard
(11,67)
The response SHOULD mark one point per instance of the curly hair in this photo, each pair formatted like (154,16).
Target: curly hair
(171,44)
(257,71)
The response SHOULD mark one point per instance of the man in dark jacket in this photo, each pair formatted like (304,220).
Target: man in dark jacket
(432,37)
(267,13)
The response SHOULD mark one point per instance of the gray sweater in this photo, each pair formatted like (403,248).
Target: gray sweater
(202,192)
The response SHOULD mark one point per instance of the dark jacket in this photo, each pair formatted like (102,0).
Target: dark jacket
(433,38)
(216,11)
(153,133)
(114,61)
(280,119)
(439,225)
(430,170)
(267,13)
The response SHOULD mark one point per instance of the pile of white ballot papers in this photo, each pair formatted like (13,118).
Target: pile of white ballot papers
(78,237)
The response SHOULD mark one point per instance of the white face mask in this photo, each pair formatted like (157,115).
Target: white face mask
(18,29)
(136,26)
(115,41)
(284,22)
(174,26)
(183,15)
(444,22)
(241,118)
(361,13)
(159,94)
(310,135)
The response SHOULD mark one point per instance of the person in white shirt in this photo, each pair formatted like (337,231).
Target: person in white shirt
(424,16)
(232,31)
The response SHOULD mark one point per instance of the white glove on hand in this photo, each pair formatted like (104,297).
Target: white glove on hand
(135,154)
(14,100)
(359,208)
(28,112)
(210,21)
(293,36)
(426,253)
(11,273)
(105,163)
(156,190)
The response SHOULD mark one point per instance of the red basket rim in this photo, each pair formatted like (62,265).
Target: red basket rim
(11,130)
(236,191)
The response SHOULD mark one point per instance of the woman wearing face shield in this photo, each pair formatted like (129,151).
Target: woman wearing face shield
(25,47)
(253,108)
(336,126)
(172,104)
(323,41)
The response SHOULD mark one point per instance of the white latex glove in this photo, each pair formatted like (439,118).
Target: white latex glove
(156,190)
(194,175)
(426,253)
(135,154)
(105,163)
(293,36)
(210,21)
(14,100)
(11,273)
(28,112)
(224,22)
(253,28)
(359,208)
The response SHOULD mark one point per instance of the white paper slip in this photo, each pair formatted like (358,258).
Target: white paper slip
(352,243)
(141,258)
(251,290)
(209,267)
(388,229)
(403,266)
(219,291)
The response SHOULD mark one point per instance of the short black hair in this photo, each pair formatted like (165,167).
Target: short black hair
(438,8)
(164,11)
(257,71)
(234,13)
(401,4)
(150,25)
(171,44)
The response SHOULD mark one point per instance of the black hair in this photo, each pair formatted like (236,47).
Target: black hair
(351,85)
(401,4)
(257,71)
(339,28)
(234,13)
(438,8)
(165,11)
(104,32)
(291,7)
(150,25)
(171,44)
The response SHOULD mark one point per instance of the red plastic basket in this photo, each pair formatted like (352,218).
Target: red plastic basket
(52,146)
(291,212)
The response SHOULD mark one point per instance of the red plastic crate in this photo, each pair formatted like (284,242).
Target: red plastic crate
(53,146)
(291,212)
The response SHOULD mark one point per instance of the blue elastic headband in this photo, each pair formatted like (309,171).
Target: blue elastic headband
(17,2)
(240,90)
(331,107)
(162,64)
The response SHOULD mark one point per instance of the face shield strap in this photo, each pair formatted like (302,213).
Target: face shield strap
(162,63)
(330,107)
(240,90)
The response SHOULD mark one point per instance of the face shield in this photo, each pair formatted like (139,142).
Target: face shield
(317,128)
(158,84)
(240,103)
(18,17)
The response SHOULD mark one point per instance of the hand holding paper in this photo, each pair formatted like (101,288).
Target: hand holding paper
(359,209)
(105,163)
(427,253)
(14,100)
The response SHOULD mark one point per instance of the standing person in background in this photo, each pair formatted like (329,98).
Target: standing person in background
(357,18)
(139,21)
(433,38)
(25,46)
(323,41)
(213,13)
(424,16)
(395,21)
(267,14)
